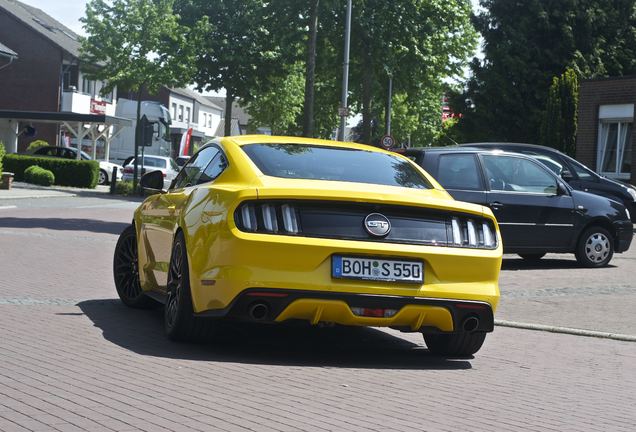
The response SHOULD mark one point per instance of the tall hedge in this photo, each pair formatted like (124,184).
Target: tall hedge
(68,172)
(558,129)
(2,152)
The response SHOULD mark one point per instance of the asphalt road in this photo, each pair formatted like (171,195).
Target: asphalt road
(73,358)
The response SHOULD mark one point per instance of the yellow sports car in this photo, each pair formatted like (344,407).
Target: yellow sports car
(270,229)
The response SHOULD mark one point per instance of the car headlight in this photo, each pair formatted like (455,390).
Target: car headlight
(632,192)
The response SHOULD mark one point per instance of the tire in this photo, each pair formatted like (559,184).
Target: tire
(102,179)
(180,324)
(595,247)
(463,344)
(126,272)
(532,256)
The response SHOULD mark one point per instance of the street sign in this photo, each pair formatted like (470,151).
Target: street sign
(387,141)
(343,112)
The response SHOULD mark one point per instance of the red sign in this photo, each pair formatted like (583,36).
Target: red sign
(98,107)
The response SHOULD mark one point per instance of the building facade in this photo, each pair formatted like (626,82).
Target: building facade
(46,76)
(605,137)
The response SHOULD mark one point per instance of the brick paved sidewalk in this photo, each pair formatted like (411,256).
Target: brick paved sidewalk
(100,366)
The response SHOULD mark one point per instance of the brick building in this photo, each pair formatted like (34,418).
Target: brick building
(605,138)
(46,75)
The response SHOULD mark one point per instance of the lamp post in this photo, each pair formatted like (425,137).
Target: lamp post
(345,76)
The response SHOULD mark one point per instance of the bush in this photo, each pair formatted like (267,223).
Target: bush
(124,187)
(39,176)
(67,172)
(2,153)
(36,145)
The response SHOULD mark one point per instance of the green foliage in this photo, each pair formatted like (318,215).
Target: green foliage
(560,120)
(418,43)
(136,45)
(281,104)
(526,44)
(2,153)
(39,176)
(235,46)
(67,172)
(34,145)
(124,188)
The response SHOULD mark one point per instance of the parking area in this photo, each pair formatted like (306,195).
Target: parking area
(73,358)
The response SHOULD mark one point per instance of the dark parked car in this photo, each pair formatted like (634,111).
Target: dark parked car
(572,171)
(537,211)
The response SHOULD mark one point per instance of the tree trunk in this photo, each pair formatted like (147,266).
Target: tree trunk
(310,72)
(367,92)
(227,126)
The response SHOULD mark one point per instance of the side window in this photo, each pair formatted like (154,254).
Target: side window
(459,171)
(214,169)
(509,173)
(192,170)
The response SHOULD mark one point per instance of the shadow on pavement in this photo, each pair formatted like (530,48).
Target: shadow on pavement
(91,225)
(542,264)
(141,331)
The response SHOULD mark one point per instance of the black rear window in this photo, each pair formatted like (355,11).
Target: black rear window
(315,162)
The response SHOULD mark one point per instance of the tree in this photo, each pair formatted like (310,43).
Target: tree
(560,118)
(526,43)
(281,104)
(237,50)
(138,45)
(419,43)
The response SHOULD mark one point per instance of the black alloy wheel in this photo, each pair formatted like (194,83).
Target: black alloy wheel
(463,344)
(179,321)
(595,247)
(126,272)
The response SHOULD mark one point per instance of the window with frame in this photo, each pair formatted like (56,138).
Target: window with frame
(180,113)
(458,171)
(174,110)
(515,174)
(193,170)
(614,148)
(187,116)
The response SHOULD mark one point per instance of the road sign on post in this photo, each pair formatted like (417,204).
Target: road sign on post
(387,141)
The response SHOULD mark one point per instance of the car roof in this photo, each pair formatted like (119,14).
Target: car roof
(535,147)
(242,140)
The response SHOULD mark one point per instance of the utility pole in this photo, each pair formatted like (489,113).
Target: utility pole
(388,106)
(345,76)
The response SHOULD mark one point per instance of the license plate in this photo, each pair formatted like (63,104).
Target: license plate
(377,269)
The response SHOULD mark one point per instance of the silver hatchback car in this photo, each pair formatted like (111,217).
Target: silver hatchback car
(166,165)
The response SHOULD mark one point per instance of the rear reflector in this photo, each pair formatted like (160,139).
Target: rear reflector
(373,313)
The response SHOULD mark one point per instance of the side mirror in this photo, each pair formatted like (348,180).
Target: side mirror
(561,189)
(566,175)
(152,181)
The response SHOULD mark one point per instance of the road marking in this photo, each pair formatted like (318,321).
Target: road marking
(566,330)
(7,207)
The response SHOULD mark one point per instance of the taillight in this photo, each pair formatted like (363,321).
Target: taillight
(268,218)
(471,233)
(128,170)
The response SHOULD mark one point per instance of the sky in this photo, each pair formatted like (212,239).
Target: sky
(68,12)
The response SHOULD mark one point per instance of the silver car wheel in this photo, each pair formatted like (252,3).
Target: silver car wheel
(597,247)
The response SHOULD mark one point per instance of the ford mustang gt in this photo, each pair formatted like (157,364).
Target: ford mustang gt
(271,229)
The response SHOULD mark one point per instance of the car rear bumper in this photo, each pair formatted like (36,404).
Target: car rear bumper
(405,313)
(624,235)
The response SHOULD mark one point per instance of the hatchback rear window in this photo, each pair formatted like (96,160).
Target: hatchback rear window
(315,162)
